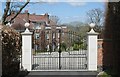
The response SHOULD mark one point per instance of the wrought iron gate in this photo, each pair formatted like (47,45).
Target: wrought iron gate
(58,50)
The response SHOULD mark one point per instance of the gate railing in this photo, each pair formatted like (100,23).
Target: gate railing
(52,63)
(43,58)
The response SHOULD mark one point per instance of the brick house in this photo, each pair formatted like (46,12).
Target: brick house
(38,25)
(33,19)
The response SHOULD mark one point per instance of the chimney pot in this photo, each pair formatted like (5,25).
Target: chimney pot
(13,12)
(46,14)
(26,11)
(34,14)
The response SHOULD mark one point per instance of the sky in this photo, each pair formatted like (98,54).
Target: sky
(67,11)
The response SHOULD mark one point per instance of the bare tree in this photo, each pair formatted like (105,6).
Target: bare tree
(55,19)
(10,7)
(96,16)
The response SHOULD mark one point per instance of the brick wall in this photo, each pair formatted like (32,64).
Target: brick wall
(100,52)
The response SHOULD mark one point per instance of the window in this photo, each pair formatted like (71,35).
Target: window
(53,35)
(37,35)
(47,36)
(99,46)
(63,33)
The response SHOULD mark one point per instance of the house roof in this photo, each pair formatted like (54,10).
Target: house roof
(37,18)
(31,17)
(22,18)
(20,25)
(52,22)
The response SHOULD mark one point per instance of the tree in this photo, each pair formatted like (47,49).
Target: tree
(55,19)
(111,57)
(77,32)
(10,40)
(10,7)
(96,16)
(11,49)
(79,27)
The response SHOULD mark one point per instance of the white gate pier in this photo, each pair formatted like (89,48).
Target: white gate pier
(27,49)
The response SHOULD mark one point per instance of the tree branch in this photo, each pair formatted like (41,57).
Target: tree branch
(6,11)
(19,10)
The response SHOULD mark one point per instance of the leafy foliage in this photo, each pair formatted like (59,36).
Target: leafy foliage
(63,46)
(79,45)
(11,46)
(104,74)
(80,28)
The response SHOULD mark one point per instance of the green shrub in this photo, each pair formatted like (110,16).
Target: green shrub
(104,74)
(76,47)
(63,46)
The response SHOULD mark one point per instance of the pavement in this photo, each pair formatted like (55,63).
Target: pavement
(62,74)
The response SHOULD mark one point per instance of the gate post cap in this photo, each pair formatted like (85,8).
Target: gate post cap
(27,24)
(92,25)
(92,31)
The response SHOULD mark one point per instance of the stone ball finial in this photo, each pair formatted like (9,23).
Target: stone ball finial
(92,25)
(27,24)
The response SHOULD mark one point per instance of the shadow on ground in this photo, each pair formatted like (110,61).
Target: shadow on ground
(23,73)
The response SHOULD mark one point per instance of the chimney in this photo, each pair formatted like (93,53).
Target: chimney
(27,15)
(46,14)
(13,12)
(34,14)
(47,18)
(26,11)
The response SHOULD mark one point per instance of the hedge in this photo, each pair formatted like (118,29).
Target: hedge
(11,47)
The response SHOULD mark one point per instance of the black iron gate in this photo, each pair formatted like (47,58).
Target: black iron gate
(59,50)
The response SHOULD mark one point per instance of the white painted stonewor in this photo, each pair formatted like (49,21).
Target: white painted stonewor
(27,50)
(92,49)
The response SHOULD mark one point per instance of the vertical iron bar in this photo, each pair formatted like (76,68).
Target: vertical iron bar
(59,59)
(59,49)
(71,38)
(52,41)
